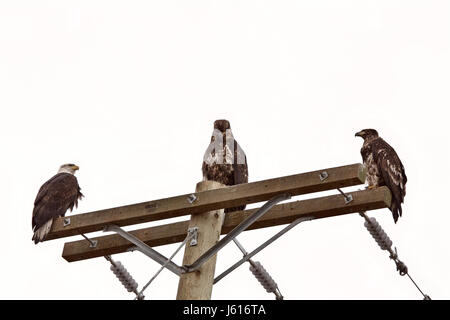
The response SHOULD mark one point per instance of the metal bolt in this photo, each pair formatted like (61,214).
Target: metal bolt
(348,199)
(66,222)
(194,239)
(93,243)
(191,198)
(323,175)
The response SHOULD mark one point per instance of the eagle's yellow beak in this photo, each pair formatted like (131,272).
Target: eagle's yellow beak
(75,168)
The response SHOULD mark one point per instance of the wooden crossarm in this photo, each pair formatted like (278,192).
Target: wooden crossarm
(227,197)
(322,207)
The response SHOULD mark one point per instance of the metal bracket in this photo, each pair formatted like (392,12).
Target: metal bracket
(66,222)
(194,239)
(93,243)
(323,175)
(192,198)
(348,198)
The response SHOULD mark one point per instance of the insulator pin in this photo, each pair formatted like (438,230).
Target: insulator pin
(124,276)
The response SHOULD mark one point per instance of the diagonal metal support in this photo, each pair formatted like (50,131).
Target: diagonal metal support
(145,249)
(162,260)
(261,247)
(235,232)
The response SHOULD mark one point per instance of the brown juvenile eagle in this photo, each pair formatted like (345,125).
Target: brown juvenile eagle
(224,160)
(384,168)
(54,198)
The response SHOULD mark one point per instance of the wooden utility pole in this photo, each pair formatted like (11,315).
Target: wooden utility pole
(198,285)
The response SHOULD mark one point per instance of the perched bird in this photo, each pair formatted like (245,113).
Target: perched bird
(54,198)
(224,160)
(384,168)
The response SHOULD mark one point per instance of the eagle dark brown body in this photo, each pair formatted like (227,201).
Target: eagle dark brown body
(54,198)
(228,165)
(384,168)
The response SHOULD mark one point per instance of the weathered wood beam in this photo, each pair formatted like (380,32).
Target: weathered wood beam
(281,214)
(208,200)
(198,285)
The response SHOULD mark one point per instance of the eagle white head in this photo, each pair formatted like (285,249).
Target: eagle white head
(68,168)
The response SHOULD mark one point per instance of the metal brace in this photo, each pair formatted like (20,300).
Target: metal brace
(66,222)
(194,239)
(248,256)
(323,175)
(235,232)
(167,263)
(145,249)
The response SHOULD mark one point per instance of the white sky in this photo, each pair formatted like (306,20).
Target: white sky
(129,92)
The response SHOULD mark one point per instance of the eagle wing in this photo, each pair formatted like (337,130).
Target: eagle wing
(216,169)
(240,170)
(393,173)
(54,198)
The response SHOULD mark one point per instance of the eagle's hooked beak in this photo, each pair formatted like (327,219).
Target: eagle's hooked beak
(359,134)
(75,168)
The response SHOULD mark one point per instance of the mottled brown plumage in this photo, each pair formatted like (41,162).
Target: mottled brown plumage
(384,168)
(54,198)
(227,164)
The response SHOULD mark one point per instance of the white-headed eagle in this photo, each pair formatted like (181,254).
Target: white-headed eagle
(54,198)
(224,160)
(384,168)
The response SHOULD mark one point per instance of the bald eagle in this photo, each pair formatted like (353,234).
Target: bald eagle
(224,160)
(54,198)
(384,168)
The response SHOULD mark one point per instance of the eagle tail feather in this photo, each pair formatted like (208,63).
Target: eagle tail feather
(40,234)
(396,209)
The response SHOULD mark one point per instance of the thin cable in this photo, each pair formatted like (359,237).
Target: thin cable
(261,274)
(401,267)
(119,270)
(346,196)
(244,252)
(93,244)
(425,296)
(188,237)
(386,244)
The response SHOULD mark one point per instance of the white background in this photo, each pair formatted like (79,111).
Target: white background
(129,90)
